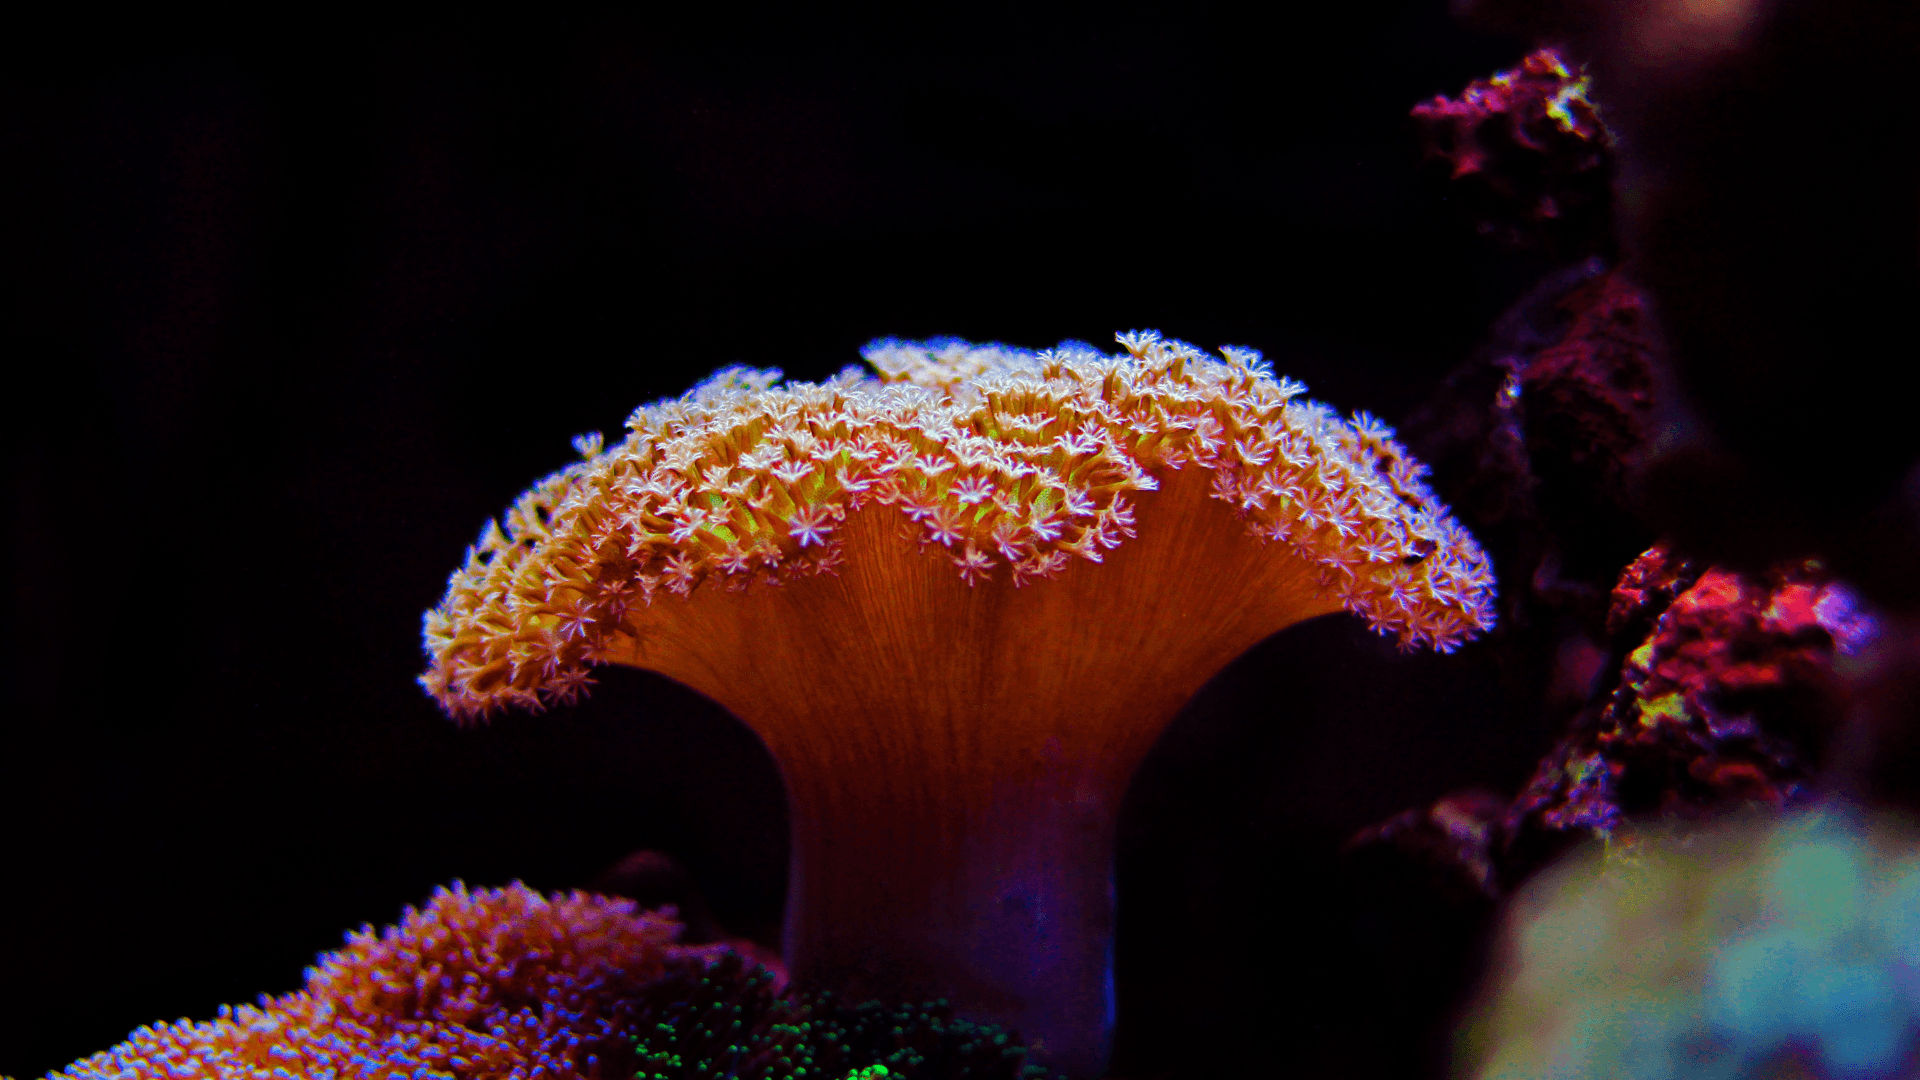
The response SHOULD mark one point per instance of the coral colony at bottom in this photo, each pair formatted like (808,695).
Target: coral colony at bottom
(510,984)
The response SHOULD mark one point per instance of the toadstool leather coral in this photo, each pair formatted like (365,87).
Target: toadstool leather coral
(958,602)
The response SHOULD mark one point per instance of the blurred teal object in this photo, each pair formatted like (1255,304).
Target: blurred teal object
(1761,947)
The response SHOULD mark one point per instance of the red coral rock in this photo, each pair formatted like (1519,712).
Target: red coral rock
(1728,700)
(1589,395)
(1449,846)
(1646,589)
(1534,440)
(1528,155)
(1728,695)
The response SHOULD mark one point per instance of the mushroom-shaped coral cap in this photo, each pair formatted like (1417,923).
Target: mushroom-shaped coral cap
(958,602)
(1004,465)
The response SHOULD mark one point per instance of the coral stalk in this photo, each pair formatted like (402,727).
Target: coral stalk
(976,855)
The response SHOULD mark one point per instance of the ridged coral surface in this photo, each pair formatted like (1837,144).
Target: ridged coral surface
(1009,464)
(479,983)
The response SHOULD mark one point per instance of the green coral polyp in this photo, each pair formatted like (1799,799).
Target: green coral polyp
(813,1036)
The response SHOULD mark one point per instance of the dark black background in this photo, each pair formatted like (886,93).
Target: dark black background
(296,309)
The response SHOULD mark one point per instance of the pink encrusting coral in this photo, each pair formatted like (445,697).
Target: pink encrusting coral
(478,983)
(958,602)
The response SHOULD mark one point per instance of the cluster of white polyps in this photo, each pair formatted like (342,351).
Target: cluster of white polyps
(1009,463)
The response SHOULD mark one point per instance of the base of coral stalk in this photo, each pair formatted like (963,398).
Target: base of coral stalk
(1006,911)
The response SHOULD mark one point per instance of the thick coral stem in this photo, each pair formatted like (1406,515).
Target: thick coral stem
(1006,910)
(955,754)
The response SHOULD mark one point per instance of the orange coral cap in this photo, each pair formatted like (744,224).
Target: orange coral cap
(1006,462)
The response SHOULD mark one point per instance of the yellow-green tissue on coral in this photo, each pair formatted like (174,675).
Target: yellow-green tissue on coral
(1765,947)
